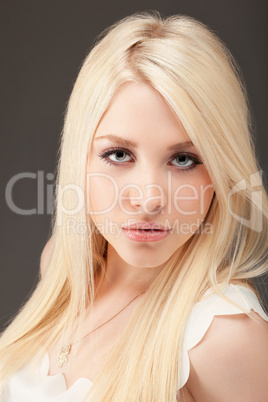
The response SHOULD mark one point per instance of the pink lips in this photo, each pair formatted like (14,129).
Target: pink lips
(146,232)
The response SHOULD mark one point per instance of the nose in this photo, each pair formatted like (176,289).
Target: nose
(149,195)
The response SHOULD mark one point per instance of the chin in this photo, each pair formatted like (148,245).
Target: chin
(143,259)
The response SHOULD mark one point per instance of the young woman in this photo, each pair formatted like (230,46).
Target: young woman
(160,226)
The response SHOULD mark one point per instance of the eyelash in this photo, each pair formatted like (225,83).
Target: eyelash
(196,161)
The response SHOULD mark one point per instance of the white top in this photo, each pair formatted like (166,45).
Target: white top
(28,385)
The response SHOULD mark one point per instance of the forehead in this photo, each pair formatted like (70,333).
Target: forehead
(139,113)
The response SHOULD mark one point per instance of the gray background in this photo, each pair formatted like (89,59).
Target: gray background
(43,46)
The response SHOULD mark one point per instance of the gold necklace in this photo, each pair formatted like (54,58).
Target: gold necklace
(66,349)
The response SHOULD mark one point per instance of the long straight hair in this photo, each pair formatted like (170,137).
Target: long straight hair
(200,81)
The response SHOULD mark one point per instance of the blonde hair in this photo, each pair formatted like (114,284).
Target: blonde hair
(197,76)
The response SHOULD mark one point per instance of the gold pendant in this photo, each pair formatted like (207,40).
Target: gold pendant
(65,350)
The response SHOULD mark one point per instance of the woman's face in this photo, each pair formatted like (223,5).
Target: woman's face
(143,168)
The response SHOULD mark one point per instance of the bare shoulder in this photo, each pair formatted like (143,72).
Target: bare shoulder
(45,256)
(230,363)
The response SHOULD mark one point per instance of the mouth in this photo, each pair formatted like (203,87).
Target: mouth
(146,235)
(147,226)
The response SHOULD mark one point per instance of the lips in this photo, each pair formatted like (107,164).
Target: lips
(146,232)
(147,226)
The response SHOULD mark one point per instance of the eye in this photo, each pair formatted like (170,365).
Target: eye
(183,160)
(118,155)
(186,161)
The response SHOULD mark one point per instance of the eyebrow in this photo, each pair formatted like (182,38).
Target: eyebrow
(128,143)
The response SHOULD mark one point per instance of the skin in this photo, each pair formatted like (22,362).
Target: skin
(139,113)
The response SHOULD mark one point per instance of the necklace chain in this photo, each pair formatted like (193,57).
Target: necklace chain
(66,349)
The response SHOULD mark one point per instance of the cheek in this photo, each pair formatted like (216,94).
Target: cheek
(194,198)
(102,193)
